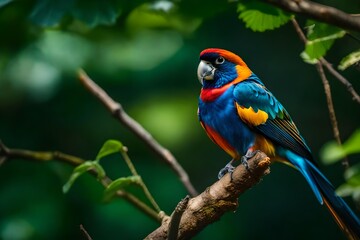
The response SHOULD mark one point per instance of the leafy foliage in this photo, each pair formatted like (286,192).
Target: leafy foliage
(120,184)
(92,12)
(332,152)
(49,12)
(161,14)
(80,170)
(321,37)
(109,147)
(352,185)
(260,16)
(4,2)
(349,60)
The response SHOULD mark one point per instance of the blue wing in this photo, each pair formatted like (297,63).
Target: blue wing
(277,126)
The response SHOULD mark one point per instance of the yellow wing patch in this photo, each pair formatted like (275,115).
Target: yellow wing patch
(251,117)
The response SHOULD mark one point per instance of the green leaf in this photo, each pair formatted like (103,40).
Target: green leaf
(95,12)
(332,152)
(349,60)
(352,145)
(159,15)
(352,185)
(306,58)
(92,12)
(320,37)
(48,13)
(352,174)
(81,169)
(346,190)
(110,146)
(119,184)
(4,2)
(260,16)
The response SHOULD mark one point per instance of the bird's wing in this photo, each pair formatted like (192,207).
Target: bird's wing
(259,109)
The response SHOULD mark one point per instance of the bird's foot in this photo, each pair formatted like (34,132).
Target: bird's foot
(249,154)
(229,168)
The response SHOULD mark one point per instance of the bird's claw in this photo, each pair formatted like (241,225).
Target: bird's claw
(244,161)
(229,168)
(249,154)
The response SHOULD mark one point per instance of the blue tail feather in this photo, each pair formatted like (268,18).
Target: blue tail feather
(305,167)
(325,193)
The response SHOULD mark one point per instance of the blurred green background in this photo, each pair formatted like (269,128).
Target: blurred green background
(145,56)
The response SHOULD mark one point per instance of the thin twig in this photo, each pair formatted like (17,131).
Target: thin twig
(342,79)
(8,153)
(118,112)
(329,101)
(176,217)
(2,160)
(298,30)
(319,66)
(85,233)
(142,184)
(319,12)
(333,120)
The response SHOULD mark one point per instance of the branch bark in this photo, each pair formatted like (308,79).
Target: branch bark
(176,217)
(216,200)
(118,112)
(319,12)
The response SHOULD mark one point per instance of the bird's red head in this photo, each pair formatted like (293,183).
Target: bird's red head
(232,57)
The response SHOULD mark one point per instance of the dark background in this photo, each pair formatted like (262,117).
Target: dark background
(151,70)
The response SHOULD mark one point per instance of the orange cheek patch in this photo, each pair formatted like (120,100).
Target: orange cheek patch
(243,73)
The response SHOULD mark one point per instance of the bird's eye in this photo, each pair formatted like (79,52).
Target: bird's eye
(220,60)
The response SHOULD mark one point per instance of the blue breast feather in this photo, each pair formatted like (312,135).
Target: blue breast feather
(221,116)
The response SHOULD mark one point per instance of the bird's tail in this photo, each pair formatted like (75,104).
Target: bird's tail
(325,193)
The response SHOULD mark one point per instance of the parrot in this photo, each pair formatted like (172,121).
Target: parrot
(241,116)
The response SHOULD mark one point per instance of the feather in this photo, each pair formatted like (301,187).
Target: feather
(278,126)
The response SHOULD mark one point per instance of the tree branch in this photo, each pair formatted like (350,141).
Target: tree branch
(85,233)
(319,12)
(118,112)
(217,199)
(8,153)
